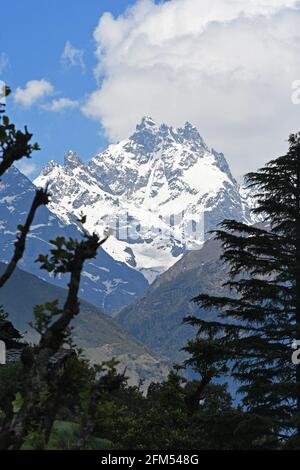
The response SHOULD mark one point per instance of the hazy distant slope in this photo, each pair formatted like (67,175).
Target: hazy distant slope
(156,319)
(100,336)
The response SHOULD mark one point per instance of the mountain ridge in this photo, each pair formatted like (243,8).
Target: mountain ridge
(107,283)
(156,318)
(162,190)
(100,337)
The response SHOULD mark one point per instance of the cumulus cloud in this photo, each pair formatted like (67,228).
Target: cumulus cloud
(34,91)
(61,104)
(226,66)
(27,168)
(72,56)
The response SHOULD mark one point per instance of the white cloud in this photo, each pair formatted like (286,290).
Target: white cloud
(3,62)
(34,90)
(27,168)
(225,65)
(72,57)
(61,104)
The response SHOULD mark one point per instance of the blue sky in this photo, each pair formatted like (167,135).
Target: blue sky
(229,67)
(33,34)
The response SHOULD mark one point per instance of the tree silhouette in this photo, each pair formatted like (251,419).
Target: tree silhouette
(262,318)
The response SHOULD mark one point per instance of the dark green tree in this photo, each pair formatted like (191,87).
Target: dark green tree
(162,419)
(261,319)
(8,333)
(32,411)
(11,377)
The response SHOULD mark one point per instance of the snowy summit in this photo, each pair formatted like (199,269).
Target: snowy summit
(161,190)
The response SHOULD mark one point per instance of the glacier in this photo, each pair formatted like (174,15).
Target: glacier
(105,282)
(162,191)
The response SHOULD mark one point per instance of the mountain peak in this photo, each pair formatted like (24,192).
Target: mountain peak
(190,126)
(147,124)
(147,121)
(145,134)
(72,160)
(190,132)
(162,180)
(49,167)
(149,131)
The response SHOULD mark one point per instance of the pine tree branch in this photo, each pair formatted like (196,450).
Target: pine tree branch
(193,400)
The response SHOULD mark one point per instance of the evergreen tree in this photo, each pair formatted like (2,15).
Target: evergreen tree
(260,322)
(8,332)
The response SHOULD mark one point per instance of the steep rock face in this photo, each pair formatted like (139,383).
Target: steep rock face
(161,190)
(107,283)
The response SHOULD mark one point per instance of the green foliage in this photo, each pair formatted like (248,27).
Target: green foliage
(58,400)
(4,92)
(61,256)
(11,381)
(14,144)
(44,314)
(8,333)
(209,354)
(257,325)
(124,417)
(162,420)
(65,435)
(18,402)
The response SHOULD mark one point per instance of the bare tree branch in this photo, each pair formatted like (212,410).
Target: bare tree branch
(41,198)
(14,144)
(52,339)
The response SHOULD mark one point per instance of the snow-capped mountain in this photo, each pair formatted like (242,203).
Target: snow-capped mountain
(161,190)
(106,283)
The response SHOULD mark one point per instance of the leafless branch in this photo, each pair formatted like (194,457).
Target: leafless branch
(37,367)
(41,198)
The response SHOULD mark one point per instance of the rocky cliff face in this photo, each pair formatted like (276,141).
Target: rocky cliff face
(161,190)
